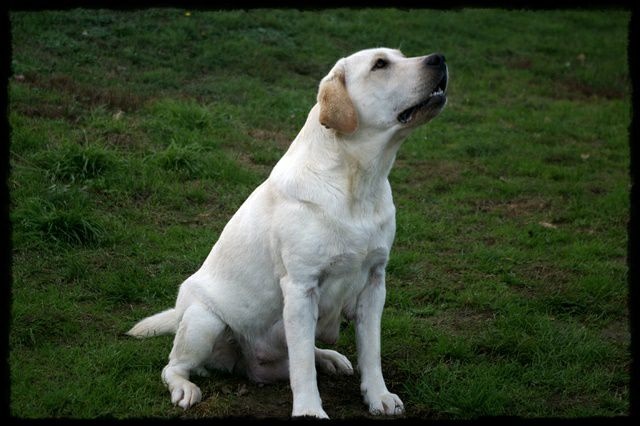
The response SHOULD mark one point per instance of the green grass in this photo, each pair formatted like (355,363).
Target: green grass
(136,135)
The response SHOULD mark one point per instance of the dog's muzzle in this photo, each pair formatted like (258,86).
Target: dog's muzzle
(435,63)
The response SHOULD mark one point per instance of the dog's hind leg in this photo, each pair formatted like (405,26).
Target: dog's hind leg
(192,347)
(333,362)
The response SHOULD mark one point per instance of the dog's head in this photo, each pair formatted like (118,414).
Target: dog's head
(382,89)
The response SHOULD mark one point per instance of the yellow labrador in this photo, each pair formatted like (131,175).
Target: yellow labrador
(309,245)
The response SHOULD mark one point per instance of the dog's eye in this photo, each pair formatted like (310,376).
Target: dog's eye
(380,63)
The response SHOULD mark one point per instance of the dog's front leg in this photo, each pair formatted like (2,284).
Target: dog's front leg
(368,317)
(300,316)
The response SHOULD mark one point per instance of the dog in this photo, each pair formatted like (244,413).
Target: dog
(310,245)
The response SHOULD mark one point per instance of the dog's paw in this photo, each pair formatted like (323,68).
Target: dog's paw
(333,362)
(310,412)
(387,403)
(186,395)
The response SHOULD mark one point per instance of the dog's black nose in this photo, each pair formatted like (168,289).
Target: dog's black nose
(435,60)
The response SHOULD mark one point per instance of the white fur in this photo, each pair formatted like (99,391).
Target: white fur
(308,246)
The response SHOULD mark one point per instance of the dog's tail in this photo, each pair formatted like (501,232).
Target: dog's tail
(161,323)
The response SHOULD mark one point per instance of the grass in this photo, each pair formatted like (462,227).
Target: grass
(137,134)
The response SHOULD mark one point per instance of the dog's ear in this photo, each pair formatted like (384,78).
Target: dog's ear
(336,108)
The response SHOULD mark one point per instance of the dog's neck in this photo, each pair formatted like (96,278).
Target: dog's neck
(354,166)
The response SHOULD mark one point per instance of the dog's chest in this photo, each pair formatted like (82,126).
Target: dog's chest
(339,285)
(351,249)
(344,242)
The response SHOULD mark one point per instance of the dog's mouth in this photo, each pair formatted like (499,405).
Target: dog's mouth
(434,102)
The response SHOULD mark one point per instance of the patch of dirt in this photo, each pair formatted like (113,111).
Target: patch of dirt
(438,175)
(461,321)
(513,208)
(235,396)
(282,139)
(243,156)
(519,63)
(114,99)
(279,141)
(539,280)
(543,273)
(617,332)
(45,110)
(573,89)
(125,140)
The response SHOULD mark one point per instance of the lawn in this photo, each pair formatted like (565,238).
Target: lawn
(137,134)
